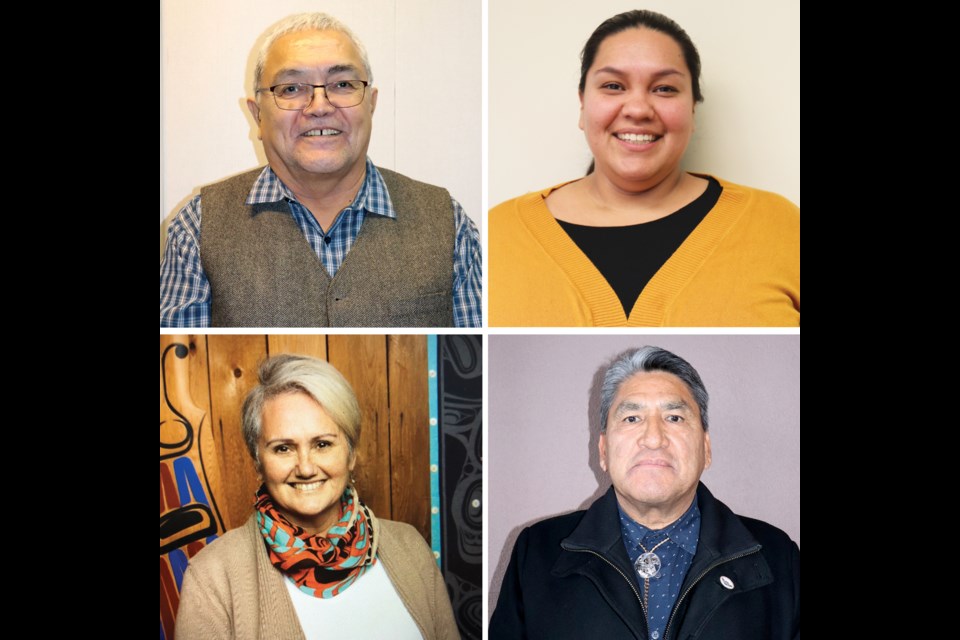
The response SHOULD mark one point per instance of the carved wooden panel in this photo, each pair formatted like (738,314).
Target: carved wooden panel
(190,473)
(207,477)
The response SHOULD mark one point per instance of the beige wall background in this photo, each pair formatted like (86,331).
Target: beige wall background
(748,127)
(542,434)
(426,59)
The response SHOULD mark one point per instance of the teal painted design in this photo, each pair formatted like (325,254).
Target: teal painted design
(433,383)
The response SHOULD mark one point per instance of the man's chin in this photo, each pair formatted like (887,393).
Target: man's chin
(329,164)
(648,493)
(306,168)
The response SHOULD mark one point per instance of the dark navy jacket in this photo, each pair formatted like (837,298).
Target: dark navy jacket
(570,577)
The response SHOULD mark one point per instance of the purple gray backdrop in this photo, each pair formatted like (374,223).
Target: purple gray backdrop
(543,437)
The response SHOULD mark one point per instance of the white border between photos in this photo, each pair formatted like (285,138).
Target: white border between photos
(484,410)
(486,331)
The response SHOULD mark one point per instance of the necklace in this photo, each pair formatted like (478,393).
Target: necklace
(648,566)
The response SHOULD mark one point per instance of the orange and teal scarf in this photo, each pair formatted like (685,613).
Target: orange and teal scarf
(321,565)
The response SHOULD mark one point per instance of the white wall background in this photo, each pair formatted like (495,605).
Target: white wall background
(542,452)
(207,53)
(748,127)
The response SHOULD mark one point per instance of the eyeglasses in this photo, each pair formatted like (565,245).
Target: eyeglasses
(299,95)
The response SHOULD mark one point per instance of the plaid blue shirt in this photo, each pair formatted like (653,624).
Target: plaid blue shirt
(676,556)
(185,290)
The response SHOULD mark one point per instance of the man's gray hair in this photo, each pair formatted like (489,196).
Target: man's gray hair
(647,359)
(307,22)
(301,374)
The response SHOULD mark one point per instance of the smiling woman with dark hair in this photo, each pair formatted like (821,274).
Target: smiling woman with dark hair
(639,241)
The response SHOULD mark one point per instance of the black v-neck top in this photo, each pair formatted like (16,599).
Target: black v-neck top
(628,257)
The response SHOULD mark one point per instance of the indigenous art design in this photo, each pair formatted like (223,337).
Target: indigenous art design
(461,472)
(189,516)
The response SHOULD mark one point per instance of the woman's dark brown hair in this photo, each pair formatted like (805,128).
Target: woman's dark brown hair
(646,19)
(634,20)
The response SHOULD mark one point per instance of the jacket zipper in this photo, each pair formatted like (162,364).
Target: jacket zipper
(666,631)
(617,569)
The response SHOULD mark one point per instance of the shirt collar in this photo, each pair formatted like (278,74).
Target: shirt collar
(684,531)
(372,197)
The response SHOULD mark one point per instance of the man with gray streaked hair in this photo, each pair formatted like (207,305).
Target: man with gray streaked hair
(268,248)
(650,359)
(657,556)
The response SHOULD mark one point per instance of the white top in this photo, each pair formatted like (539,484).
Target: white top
(369,608)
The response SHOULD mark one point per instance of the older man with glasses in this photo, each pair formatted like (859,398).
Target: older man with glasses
(268,248)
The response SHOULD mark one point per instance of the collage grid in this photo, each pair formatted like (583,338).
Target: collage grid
(473,435)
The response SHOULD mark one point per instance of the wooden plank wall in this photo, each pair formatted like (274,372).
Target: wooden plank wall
(389,376)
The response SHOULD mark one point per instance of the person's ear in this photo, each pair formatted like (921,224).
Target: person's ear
(602,449)
(580,95)
(707,452)
(255,112)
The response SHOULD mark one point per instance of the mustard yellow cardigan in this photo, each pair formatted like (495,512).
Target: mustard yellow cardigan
(739,267)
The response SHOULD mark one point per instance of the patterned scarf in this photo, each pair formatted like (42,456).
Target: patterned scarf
(321,565)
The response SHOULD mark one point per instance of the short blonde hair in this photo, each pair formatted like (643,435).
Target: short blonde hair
(318,379)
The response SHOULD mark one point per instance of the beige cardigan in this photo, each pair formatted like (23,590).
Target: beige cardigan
(230,589)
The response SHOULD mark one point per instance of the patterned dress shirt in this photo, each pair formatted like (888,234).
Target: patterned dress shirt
(676,556)
(185,290)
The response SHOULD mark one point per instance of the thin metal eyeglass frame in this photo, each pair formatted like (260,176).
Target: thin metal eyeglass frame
(313,96)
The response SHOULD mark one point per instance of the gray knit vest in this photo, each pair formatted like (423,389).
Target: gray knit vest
(263,273)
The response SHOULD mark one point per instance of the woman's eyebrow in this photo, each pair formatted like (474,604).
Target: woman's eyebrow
(608,69)
(667,72)
(292,441)
(656,74)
